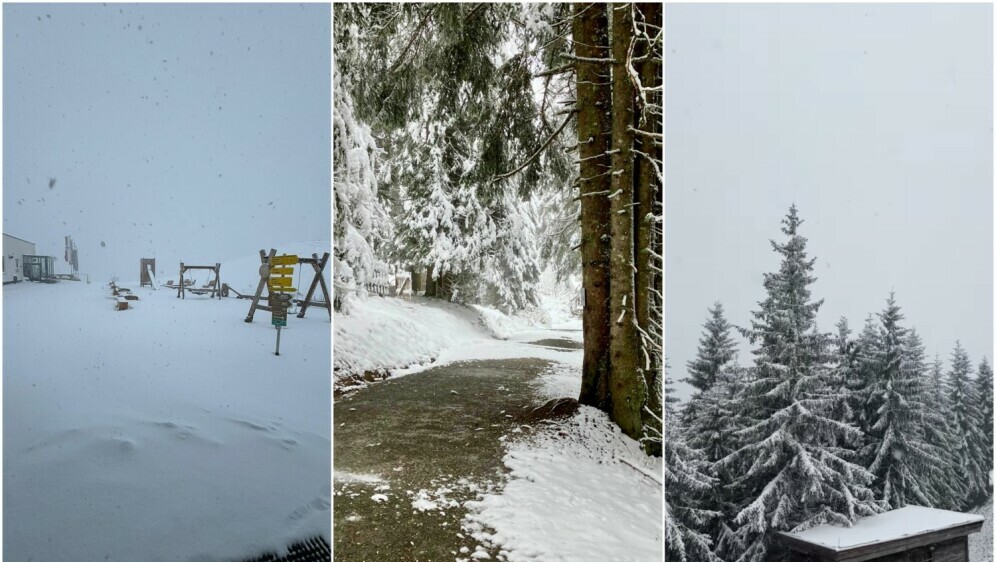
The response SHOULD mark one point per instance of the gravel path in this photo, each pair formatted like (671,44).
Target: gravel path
(409,451)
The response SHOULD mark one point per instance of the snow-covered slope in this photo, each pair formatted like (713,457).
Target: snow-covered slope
(382,333)
(166,432)
(392,336)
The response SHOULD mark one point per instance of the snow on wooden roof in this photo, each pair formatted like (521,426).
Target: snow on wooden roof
(890,526)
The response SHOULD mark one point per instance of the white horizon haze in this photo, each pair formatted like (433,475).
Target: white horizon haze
(193,132)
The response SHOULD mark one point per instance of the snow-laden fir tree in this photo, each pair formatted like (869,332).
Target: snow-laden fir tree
(716,349)
(709,423)
(688,487)
(796,476)
(984,397)
(937,481)
(844,361)
(971,450)
(449,88)
(895,450)
(939,432)
(361,221)
(710,418)
(861,379)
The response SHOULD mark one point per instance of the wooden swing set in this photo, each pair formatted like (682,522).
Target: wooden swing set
(213,286)
(318,266)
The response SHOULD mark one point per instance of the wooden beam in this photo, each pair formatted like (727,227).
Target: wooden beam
(318,265)
(264,260)
(874,551)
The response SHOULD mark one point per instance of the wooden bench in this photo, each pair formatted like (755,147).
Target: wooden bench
(122,303)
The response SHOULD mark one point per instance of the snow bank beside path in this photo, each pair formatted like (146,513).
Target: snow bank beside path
(565,483)
(396,337)
(381,333)
(980,545)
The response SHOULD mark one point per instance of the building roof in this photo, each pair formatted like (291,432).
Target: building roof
(902,524)
(16,238)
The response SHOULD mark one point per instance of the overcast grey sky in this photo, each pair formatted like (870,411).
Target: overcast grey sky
(876,120)
(175,131)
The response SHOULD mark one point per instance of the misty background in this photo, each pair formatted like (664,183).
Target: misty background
(875,120)
(175,131)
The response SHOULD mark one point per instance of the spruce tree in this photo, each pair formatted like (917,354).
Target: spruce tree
(688,486)
(710,422)
(939,433)
(895,450)
(863,377)
(590,29)
(844,360)
(984,405)
(931,427)
(455,109)
(716,349)
(797,476)
(971,449)
(361,221)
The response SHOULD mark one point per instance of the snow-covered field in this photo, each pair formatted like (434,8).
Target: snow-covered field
(166,432)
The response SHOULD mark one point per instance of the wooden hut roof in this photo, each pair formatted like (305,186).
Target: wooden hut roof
(879,535)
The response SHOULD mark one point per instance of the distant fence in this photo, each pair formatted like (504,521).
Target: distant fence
(398,286)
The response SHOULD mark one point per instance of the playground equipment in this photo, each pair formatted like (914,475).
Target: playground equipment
(317,265)
(147,276)
(213,287)
(122,295)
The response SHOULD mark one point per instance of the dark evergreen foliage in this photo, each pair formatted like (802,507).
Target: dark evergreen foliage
(794,475)
(825,428)
(716,349)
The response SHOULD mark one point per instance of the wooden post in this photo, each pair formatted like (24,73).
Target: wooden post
(319,266)
(264,260)
(179,290)
(217,282)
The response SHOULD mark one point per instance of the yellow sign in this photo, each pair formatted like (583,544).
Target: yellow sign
(281,271)
(284,260)
(283,289)
(280,281)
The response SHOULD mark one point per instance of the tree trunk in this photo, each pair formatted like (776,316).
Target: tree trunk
(648,194)
(430,282)
(590,31)
(413,273)
(626,379)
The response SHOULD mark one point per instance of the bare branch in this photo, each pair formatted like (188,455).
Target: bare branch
(538,151)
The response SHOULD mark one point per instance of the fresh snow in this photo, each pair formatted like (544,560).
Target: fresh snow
(884,527)
(571,497)
(980,545)
(380,334)
(169,431)
(566,479)
(405,336)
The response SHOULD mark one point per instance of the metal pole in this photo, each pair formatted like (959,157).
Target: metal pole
(278,341)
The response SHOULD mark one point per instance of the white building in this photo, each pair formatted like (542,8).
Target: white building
(14,250)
